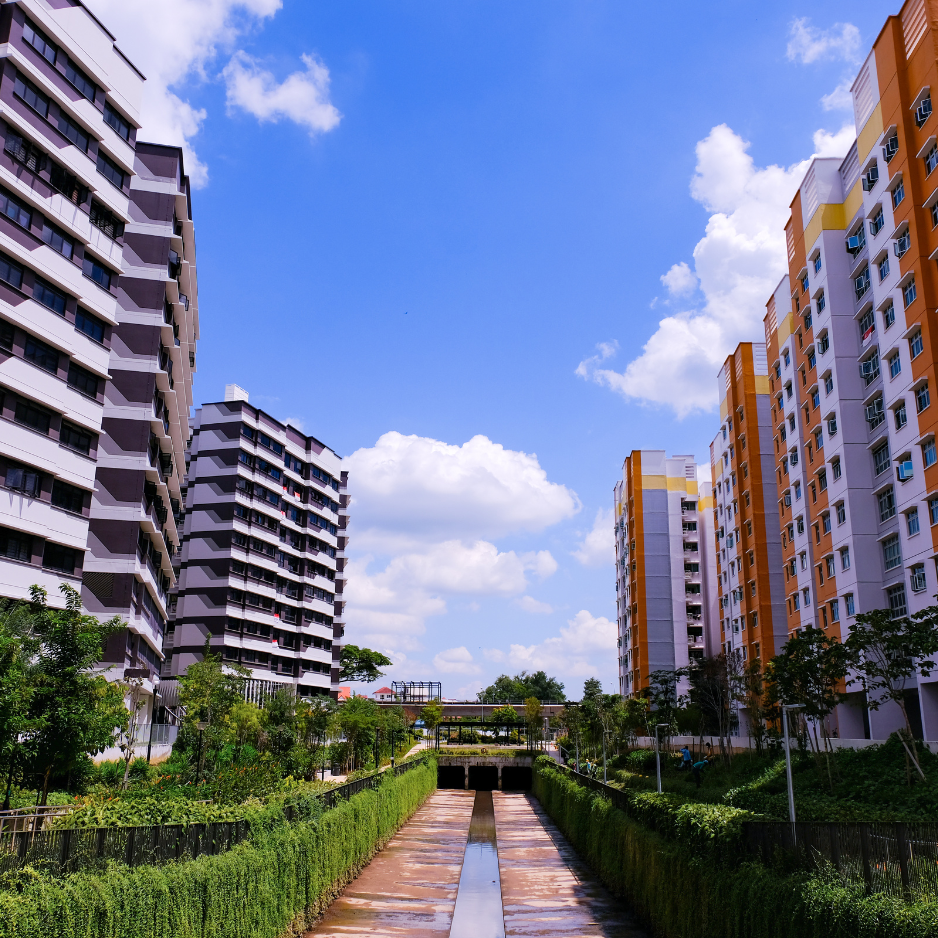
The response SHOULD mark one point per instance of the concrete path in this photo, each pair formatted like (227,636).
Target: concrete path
(546,889)
(410,887)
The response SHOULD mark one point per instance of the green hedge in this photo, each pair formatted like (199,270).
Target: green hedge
(684,895)
(275,884)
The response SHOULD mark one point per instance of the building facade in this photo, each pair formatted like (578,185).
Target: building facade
(666,591)
(262,569)
(748,550)
(70,103)
(136,511)
(852,350)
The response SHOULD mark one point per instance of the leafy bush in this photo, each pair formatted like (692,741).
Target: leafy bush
(686,896)
(274,884)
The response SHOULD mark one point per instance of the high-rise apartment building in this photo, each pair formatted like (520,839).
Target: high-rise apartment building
(666,592)
(746,510)
(70,102)
(852,350)
(136,512)
(263,552)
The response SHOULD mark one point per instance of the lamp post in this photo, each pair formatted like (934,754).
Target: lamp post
(657,753)
(791,790)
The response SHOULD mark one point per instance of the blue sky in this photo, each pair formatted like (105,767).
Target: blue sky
(422,223)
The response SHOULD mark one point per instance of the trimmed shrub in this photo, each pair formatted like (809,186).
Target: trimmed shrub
(276,883)
(683,894)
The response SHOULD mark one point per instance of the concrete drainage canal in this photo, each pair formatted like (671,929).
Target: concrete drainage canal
(481,773)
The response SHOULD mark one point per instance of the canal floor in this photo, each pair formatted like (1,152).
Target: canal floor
(411,887)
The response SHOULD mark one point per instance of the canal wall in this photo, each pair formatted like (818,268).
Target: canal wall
(485,772)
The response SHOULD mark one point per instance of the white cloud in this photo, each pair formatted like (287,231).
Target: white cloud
(409,490)
(493,654)
(680,280)
(840,99)
(455,661)
(302,97)
(807,43)
(585,647)
(738,263)
(530,604)
(174,42)
(597,548)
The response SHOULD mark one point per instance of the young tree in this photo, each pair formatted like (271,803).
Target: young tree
(432,714)
(243,725)
(663,700)
(135,702)
(533,718)
(75,711)
(711,690)
(359,718)
(888,652)
(362,664)
(279,721)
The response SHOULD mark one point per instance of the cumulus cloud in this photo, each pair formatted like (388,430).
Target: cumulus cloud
(680,280)
(530,604)
(585,647)
(738,263)
(174,42)
(807,43)
(455,661)
(839,99)
(409,490)
(302,97)
(597,547)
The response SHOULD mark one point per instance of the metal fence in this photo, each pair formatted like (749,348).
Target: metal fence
(69,850)
(897,859)
(889,858)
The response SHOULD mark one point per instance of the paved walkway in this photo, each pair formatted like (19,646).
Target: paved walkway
(410,887)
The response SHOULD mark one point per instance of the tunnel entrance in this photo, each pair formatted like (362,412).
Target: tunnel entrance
(483,777)
(451,776)
(516,778)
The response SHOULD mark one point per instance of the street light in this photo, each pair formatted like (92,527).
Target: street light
(658,753)
(791,790)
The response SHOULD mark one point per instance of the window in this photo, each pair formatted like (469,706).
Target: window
(933,510)
(57,240)
(58,557)
(796,601)
(889,315)
(14,209)
(105,220)
(895,365)
(826,522)
(7,333)
(917,578)
(848,603)
(97,272)
(832,425)
(881,459)
(892,556)
(929,456)
(829,563)
(815,395)
(882,267)
(75,438)
(876,223)
(898,194)
(909,293)
(812,360)
(33,416)
(835,610)
(887,504)
(799,524)
(911,521)
(897,603)
(922,399)
(923,111)
(41,354)
(818,438)
(828,383)
(68,497)
(822,480)
(31,95)
(73,133)
(835,468)
(116,122)
(80,80)
(905,470)
(39,42)
(15,545)
(804,283)
(933,211)
(874,412)
(24,480)
(931,160)
(11,272)
(841,512)
(90,325)
(916,345)
(844,558)
(861,282)
(869,369)
(110,170)
(47,294)
(901,416)
(82,380)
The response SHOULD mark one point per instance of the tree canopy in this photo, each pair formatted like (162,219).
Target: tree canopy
(522,686)
(362,664)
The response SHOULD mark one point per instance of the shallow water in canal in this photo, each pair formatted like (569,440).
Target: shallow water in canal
(478,912)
